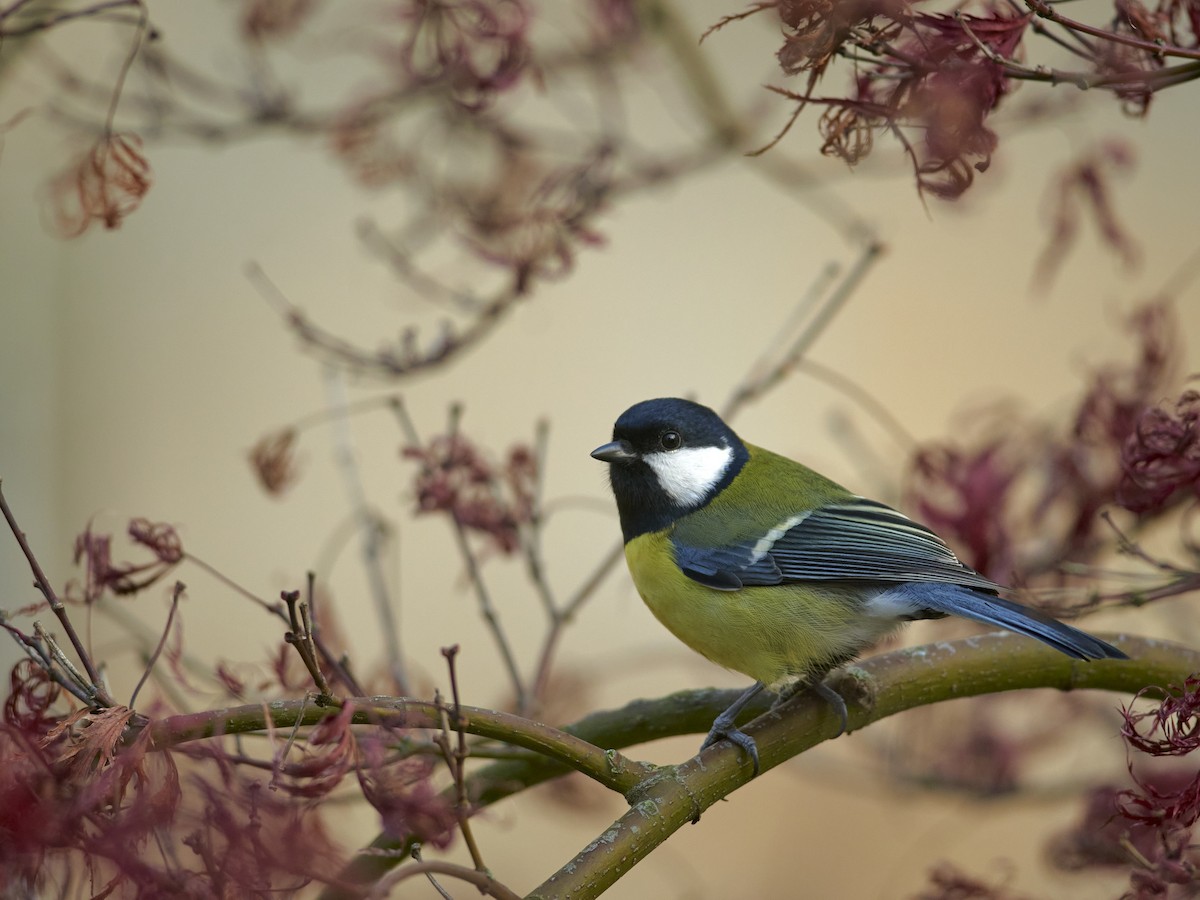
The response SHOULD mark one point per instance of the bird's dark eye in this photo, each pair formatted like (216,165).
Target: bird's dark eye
(671,440)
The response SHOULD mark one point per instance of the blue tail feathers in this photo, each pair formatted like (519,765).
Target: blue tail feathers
(989,609)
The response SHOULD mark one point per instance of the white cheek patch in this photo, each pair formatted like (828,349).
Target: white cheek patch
(688,475)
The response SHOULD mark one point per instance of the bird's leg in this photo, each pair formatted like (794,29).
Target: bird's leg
(834,699)
(724,727)
(822,689)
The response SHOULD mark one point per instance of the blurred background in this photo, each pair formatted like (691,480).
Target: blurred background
(140,365)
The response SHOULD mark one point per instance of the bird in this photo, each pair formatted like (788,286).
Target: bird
(772,570)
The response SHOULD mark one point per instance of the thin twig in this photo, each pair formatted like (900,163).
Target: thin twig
(36,652)
(1152,80)
(566,614)
(385,608)
(488,611)
(431,876)
(56,655)
(1077,46)
(1127,545)
(424,285)
(340,666)
(328,416)
(176,593)
(456,759)
(273,608)
(96,688)
(470,562)
(754,387)
(487,885)
(1046,11)
(593,581)
(405,357)
(300,637)
(863,398)
(483,596)
(531,542)
(140,31)
(97,10)
(405,420)
(282,755)
(530,535)
(809,301)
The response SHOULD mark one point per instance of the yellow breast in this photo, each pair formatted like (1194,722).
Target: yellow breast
(769,633)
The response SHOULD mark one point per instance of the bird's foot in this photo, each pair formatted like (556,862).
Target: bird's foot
(724,726)
(724,729)
(826,693)
(834,699)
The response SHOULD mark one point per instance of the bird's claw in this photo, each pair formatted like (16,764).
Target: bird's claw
(834,699)
(826,693)
(729,732)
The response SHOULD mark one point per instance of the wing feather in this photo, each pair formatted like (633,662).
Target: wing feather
(857,539)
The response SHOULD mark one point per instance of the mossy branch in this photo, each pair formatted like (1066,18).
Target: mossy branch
(875,689)
(552,746)
(669,797)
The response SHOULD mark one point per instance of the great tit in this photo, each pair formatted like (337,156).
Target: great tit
(772,570)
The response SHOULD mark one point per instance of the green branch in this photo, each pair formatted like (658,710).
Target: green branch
(664,799)
(874,689)
(553,746)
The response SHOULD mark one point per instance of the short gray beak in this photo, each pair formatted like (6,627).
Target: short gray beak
(614,452)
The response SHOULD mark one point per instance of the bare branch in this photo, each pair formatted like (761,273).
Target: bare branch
(95,688)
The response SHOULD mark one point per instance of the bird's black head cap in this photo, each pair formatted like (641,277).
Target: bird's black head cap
(668,457)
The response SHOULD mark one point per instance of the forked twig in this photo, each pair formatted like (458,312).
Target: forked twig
(300,637)
(456,759)
(97,693)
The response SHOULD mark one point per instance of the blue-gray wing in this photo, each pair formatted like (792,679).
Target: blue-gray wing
(727,568)
(856,540)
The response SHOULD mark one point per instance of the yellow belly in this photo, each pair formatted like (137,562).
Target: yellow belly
(769,633)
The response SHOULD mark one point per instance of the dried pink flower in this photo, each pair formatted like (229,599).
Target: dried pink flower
(32,695)
(814,30)
(359,139)
(403,794)
(615,20)
(106,184)
(274,461)
(330,753)
(457,479)
(1160,461)
(264,20)
(847,132)
(475,48)
(1163,799)
(988,493)
(965,495)
(532,217)
(951,92)
(1084,188)
(95,551)
(1101,837)
(158,537)
(1174,725)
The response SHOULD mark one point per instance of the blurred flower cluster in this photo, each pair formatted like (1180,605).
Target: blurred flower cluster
(934,79)
(1008,478)
(456,478)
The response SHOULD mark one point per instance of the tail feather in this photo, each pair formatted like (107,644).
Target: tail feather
(992,610)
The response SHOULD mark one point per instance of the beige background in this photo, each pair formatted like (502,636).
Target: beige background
(138,366)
